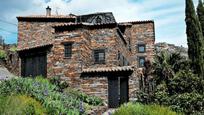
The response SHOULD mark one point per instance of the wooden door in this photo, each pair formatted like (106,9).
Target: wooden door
(34,65)
(113,94)
(124,90)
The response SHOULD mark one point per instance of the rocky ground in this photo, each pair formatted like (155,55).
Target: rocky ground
(5,74)
(109,112)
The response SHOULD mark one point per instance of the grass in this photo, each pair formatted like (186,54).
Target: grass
(139,109)
(19,105)
(13,49)
(2,54)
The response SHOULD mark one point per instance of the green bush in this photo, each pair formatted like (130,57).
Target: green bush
(139,109)
(91,100)
(59,83)
(20,105)
(143,97)
(56,102)
(161,95)
(190,103)
(186,82)
(43,91)
(2,54)
(13,49)
(184,93)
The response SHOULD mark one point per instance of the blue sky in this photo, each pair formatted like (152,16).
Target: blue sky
(168,14)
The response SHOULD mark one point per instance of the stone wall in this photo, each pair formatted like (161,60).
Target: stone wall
(140,33)
(33,33)
(84,40)
(68,69)
(97,86)
(143,33)
(36,32)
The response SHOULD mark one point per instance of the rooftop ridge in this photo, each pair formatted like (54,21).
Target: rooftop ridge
(95,13)
(45,16)
(137,22)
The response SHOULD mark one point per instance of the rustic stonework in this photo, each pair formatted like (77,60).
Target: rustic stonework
(140,33)
(120,49)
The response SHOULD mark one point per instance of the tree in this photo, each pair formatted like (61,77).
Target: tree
(194,39)
(163,71)
(200,13)
(166,64)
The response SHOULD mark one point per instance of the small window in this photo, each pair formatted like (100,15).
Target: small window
(99,56)
(141,61)
(68,50)
(141,48)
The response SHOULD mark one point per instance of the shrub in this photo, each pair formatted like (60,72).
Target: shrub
(143,97)
(43,91)
(59,83)
(13,49)
(184,93)
(186,82)
(68,102)
(161,95)
(139,109)
(190,103)
(21,104)
(91,100)
(2,54)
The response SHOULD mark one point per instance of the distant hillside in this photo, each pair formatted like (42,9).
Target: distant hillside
(171,48)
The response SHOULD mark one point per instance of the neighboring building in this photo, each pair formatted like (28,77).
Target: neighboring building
(92,52)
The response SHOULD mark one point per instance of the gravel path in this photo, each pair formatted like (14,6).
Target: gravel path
(5,74)
(109,112)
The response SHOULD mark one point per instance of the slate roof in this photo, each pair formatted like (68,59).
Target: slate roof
(83,24)
(67,24)
(101,24)
(108,69)
(49,17)
(39,46)
(136,22)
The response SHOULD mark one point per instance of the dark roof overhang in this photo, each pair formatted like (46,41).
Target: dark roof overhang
(47,18)
(108,71)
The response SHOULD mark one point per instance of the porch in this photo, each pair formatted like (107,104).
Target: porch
(118,82)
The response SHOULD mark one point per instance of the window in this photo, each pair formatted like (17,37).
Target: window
(99,56)
(68,50)
(141,48)
(141,61)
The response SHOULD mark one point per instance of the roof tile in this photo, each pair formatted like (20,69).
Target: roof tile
(108,69)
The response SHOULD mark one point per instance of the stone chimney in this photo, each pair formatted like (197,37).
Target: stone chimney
(48,11)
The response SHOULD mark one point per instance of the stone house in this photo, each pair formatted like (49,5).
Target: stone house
(92,52)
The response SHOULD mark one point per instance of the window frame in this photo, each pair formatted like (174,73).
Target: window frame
(96,53)
(68,50)
(141,45)
(139,58)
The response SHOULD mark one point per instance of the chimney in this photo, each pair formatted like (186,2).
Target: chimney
(48,11)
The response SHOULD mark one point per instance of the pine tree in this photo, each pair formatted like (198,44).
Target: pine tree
(195,39)
(200,13)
